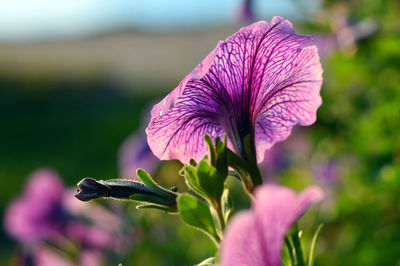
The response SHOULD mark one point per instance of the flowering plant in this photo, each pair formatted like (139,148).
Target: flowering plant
(246,95)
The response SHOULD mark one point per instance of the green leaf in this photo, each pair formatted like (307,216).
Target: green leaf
(192,162)
(211,148)
(313,247)
(197,214)
(190,173)
(207,262)
(234,174)
(155,200)
(205,180)
(241,167)
(146,179)
(153,206)
(216,219)
(222,158)
(227,206)
(151,184)
(210,180)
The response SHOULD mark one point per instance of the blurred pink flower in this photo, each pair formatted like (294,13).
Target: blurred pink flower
(37,213)
(345,33)
(107,230)
(91,258)
(327,44)
(43,256)
(90,235)
(135,153)
(326,172)
(255,237)
(46,256)
(246,13)
(275,160)
(284,155)
(47,214)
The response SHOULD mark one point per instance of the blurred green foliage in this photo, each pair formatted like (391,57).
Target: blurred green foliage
(359,127)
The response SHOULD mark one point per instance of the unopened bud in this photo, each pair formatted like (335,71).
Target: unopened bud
(89,188)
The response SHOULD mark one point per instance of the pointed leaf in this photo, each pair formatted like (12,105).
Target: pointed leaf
(197,214)
(313,247)
(240,167)
(210,180)
(146,179)
(153,206)
(222,158)
(155,200)
(151,184)
(192,180)
(211,148)
(192,162)
(227,206)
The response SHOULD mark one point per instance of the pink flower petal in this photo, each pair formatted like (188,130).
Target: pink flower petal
(256,237)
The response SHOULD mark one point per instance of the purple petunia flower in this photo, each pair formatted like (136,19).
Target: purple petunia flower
(255,237)
(259,83)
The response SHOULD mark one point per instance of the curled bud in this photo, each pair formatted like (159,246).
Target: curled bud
(89,188)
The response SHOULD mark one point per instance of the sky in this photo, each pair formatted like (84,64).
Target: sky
(22,20)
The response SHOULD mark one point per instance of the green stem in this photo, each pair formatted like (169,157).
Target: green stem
(297,246)
(217,207)
(221,218)
(255,174)
(290,250)
(251,160)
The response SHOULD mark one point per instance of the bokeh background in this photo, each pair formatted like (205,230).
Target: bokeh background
(77,78)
